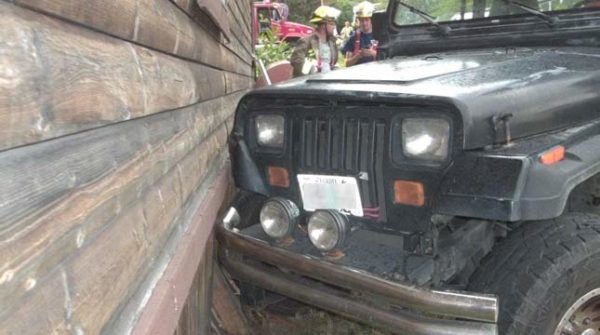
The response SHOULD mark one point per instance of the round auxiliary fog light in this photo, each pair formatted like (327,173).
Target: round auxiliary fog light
(278,217)
(327,229)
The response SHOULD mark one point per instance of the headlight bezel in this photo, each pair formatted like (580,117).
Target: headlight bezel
(253,131)
(399,155)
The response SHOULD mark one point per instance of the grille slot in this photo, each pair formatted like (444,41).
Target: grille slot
(345,146)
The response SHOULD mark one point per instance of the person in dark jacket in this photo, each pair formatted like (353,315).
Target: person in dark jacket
(318,51)
(361,47)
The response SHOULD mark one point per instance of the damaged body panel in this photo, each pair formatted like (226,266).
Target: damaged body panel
(406,190)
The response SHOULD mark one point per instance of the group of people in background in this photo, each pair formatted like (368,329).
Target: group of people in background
(318,52)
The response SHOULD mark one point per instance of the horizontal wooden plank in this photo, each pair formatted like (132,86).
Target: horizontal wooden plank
(191,8)
(217,13)
(91,286)
(235,83)
(71,79)
(57,193)
(244,7)
(105,278)
(51,296)
(157,24)
(239,23)
(165,304)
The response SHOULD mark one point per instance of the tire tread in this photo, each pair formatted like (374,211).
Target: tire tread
(523,268)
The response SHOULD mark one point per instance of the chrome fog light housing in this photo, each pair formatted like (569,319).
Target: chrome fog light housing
(327,229)
(279,217)
(232,218)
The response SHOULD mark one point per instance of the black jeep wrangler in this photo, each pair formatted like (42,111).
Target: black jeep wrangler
(452,187)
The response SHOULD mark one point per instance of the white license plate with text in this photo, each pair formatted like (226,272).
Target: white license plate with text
(330,192)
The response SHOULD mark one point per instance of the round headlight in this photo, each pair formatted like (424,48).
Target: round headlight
(278,217)
(327,229)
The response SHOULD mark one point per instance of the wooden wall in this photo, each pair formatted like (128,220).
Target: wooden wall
(114,121)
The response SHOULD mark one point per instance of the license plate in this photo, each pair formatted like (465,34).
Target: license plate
(330,192)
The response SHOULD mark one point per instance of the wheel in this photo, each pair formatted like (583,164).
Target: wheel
(547,276)
(586,197)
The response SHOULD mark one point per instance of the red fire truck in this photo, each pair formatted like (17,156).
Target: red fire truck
(267,15)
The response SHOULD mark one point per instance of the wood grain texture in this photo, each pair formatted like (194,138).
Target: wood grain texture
(88,289)
(164,307)
(157,24)
(196,314)
(242,36)
(191,8)
(71,79)
(49,214)
(115,117)
(217,13)
(239,23)
(227,306)
(110,263)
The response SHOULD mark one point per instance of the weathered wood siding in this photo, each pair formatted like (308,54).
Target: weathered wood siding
(114,121)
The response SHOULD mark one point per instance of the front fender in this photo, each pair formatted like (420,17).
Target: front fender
(511,184)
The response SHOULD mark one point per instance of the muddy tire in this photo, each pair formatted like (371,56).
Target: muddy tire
(541,272)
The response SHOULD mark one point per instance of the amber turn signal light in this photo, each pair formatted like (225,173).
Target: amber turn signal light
(409,193)
(553,155)
(278,176)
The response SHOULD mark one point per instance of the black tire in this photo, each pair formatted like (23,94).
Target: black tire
(540,270)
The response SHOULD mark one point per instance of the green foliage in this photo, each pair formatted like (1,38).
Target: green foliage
(346,7)
(301,10)
(270,50)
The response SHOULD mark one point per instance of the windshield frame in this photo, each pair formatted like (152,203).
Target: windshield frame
(394,6)
(575,27)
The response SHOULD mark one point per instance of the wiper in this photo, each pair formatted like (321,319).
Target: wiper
(445,30)
(550,19)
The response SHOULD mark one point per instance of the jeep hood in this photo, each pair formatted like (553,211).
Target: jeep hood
(543,89)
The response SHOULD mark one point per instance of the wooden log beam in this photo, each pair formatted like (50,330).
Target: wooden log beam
(163,312)
(58,192)
(217,13)
(193,11)
(245,8)
(238,21)
(157,24)
(70,79)
(89,288)
(100,289)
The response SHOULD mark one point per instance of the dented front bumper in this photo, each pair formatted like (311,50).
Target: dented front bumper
(353,293)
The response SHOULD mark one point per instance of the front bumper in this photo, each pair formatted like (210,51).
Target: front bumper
(353,293)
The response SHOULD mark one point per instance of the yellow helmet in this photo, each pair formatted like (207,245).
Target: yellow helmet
(364,9)
(324,13)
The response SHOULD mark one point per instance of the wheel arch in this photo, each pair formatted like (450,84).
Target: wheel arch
(517,186)
(548,188)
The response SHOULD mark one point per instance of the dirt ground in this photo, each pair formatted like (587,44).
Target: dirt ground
(303,320)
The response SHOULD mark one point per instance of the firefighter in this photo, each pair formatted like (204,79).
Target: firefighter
(361,47)
(318,51)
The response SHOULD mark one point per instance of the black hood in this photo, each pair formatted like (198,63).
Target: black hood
(544,89)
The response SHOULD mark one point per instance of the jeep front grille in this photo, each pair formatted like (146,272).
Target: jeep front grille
(349,147)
